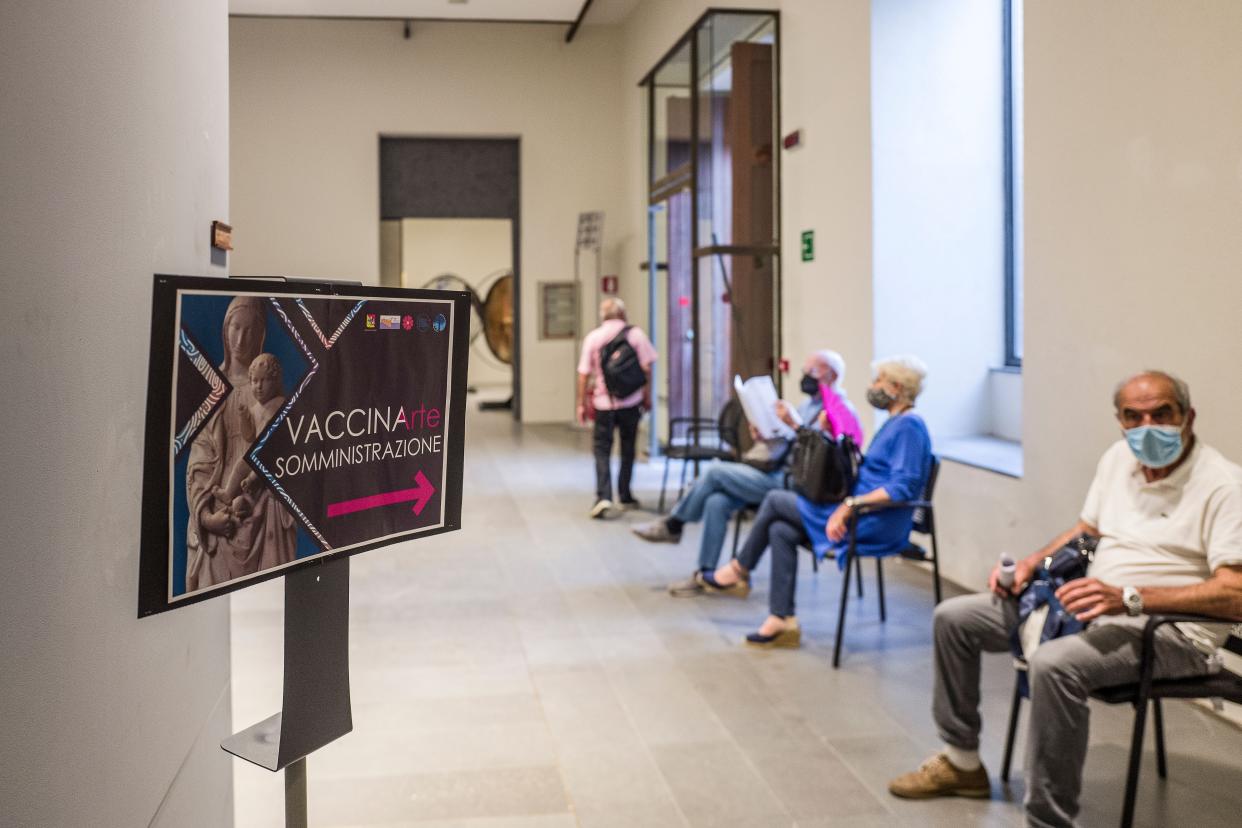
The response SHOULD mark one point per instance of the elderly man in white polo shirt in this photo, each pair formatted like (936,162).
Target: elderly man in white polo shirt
(1168,512)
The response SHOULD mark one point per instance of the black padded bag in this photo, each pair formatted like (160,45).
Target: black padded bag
(623,373)
(821,469)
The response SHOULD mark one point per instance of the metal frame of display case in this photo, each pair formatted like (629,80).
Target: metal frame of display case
(687,177)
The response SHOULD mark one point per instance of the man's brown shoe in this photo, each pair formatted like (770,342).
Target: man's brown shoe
(939,777)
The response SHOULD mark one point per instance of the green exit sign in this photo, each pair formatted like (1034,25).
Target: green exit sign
(808,245)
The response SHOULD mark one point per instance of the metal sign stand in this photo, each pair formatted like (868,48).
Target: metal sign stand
(590,237)
(316,708)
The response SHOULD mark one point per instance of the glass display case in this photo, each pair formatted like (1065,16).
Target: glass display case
(713,229)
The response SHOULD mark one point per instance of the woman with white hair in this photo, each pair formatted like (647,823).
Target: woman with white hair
(896,467)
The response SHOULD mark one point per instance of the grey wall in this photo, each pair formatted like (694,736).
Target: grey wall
(114,161)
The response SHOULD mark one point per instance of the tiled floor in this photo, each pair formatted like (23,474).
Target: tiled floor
(531,671)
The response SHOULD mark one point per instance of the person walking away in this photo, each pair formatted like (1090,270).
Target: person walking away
(617,356)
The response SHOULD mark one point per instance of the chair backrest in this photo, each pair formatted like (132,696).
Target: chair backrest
(730,423)
(923,517)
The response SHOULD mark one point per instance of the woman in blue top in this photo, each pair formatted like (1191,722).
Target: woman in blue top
(895,467)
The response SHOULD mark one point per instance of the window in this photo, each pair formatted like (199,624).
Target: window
(1012,57)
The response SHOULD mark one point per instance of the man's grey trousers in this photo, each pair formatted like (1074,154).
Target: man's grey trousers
(1062,673)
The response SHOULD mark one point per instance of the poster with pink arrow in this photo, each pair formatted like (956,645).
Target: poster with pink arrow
(289,422)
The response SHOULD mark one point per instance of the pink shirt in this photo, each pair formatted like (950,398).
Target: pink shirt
(841,417)
(588,364)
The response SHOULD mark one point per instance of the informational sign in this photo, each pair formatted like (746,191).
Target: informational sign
(289,422)
(808,245)
(590,231)
(558,310)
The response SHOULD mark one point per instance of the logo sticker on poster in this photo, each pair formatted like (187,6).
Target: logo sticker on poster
(292,435)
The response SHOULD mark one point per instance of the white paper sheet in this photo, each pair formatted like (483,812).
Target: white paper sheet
(758,398)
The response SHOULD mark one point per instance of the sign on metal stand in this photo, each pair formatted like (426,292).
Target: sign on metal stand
(291,425)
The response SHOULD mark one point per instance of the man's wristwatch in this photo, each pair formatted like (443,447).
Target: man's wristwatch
(1132,600)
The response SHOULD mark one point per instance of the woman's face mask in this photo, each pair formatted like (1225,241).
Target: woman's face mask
(880,398)
(809,385)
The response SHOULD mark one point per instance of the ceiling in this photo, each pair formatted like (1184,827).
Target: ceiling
(558,11)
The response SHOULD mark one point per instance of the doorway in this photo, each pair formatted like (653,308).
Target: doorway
(449,219)
(473,255)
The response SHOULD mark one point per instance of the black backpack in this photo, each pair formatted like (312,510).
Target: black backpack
(623,373)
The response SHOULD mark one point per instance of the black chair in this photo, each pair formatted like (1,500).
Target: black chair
(722,442)
(1223,685)
(924,523)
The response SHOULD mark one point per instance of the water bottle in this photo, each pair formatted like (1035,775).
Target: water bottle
(1007,568)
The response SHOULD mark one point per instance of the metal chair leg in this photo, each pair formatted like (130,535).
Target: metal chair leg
(664,484)
(935,561)
(1014,709)
(845,597)
(681,488)
(858,573)
(814,561)
(1136,759)
(737,531)
(879,579)
(1162,767)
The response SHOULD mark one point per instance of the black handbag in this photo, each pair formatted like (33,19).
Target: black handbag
(823,470)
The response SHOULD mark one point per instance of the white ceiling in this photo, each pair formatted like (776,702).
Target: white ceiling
(518,10)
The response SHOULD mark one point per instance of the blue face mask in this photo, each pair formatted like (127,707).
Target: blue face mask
(1155,446)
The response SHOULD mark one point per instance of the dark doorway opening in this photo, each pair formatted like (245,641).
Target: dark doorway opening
(455,178)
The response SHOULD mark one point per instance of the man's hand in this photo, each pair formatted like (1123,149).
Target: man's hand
(782,411)
(1021,577)
(1088,598)
(754,432)
(838,523)
(220,523)
(581,414)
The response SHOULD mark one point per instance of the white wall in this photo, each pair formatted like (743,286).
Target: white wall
(472,249)
(310,99)
(826,186)
(937,127)
(114,158)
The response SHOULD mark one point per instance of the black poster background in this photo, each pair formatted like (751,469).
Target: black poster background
(366,368)
(397,375)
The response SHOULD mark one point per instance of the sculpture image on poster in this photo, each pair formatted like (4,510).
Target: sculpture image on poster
(298,426)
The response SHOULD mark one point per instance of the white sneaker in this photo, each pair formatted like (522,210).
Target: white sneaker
(601,509)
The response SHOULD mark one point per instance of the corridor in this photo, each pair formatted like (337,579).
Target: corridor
(531,671)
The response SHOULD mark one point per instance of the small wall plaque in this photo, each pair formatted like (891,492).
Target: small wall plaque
(221,236)
(558,310)
(608,285)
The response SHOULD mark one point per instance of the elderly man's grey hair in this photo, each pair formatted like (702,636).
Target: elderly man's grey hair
(907,371)
(612,308)
(1181,391)
(834,361)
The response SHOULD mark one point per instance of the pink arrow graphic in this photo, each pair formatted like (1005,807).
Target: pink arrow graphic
(420,494)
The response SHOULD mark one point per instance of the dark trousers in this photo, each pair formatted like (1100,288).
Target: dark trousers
(778,525)
(624,420)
